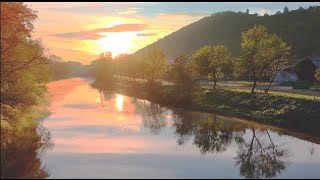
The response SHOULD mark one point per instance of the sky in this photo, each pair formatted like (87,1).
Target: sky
(80,31)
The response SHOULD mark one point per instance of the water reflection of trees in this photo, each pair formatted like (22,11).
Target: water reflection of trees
(153,115)
(260,159)
(21,153)
(257,157)
(105,97)
(210,133)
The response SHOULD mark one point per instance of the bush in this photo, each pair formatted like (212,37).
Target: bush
(299,114)
(301,85)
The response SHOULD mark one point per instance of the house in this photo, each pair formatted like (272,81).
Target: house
(288,73)
(316,61)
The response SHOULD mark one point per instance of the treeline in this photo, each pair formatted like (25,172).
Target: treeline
(299,28)
(25,71)
(62,70)
(24,67)
(262,56)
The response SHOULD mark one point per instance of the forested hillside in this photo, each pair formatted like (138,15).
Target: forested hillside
(299,28)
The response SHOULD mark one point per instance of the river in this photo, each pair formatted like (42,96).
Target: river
(97,134)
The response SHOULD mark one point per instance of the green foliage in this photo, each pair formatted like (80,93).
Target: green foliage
(299,114)
(25,140)
(24,67)
(155,63)
(103,71)
(299,28)
(300,85)
(262,54)
(154,90)
(61,69)
(183,89)
(212,62)
(130,66)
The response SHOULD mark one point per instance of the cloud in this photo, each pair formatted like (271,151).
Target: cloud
(80,36)
(123,28)
(93,34)
(62,5)
(128,11)
(146,34)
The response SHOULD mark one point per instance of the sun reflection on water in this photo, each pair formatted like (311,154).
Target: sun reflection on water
(119,102)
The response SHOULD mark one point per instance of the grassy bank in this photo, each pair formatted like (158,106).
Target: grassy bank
(297,114)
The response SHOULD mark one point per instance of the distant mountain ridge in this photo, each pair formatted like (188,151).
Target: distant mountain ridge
(299,28)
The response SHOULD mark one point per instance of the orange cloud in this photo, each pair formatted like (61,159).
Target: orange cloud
(80,36)
(92,34)
(146,34)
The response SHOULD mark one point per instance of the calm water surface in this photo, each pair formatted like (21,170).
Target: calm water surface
(97,134)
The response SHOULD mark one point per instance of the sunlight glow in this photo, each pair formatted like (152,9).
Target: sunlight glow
(117,43)
(119,102)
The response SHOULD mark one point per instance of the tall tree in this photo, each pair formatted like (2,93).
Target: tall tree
(103,70)
(24,67)
(212,62)
(156,63)
(278,52)
(262,52)
(183,80)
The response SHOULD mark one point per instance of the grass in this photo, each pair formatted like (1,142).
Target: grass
(291,111)
(298,95)
(243,86)
(233,83)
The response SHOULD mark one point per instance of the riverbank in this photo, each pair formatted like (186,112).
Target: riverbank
(296,114)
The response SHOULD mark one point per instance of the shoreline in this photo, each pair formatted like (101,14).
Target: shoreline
(210,103)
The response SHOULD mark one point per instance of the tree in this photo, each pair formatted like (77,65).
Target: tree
(24,67)
(183,80)
(22,151)
(278,52)
(247,11)
(156,64)
(299,29)
(285,10)
(212,62)
(262,52)
(258,159)
(60,70)
(103,70)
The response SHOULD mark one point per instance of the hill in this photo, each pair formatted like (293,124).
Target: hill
(300,28)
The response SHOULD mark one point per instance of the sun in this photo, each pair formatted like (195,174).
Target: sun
(117,42)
